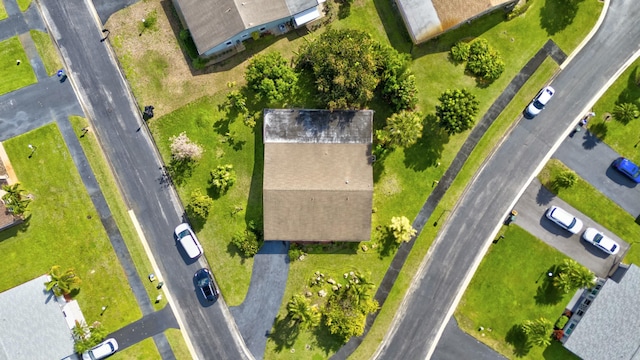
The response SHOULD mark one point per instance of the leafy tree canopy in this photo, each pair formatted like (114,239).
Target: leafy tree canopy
(270,76)
(457,110)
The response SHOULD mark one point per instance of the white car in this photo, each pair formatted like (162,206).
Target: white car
(601,241)
(102,350)
(539,102)
(187,238)
(564,219)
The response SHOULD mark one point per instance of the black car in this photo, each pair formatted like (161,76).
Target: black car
(205,283)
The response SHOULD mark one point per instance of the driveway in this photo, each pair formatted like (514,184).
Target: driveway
(531,217)
(590,158)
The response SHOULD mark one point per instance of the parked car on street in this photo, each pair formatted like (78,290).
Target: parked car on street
(564,219)
(628,168)
(187,238)
(539,102)
(602,242)
(102,350)
(205,283)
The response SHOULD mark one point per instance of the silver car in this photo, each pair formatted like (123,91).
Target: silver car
(102,350)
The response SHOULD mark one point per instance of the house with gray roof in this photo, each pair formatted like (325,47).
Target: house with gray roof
(426,19)
(218,27)
(36,324)
(318,175)
(605,325)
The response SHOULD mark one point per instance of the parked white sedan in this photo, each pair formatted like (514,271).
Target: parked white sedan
(102,350)
(602,242)
(564,219)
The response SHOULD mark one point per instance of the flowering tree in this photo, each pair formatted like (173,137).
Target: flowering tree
(183,149)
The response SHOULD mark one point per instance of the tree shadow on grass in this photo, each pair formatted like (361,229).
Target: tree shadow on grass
(599,129)
(428,150)
(393,25)
(631,93)
(180,170)
(284,333)
(519,340)
(547,293)
(388,244)
(326,341)
(556,15)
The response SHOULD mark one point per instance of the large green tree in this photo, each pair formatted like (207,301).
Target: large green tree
(457,110)
(62,282)
(484,61)
(345,66)
(271,77)
(401,229)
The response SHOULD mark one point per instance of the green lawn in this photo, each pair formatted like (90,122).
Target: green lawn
(23,4)
(625,139)
(588,200)
(509,288)
(3,11)
(14,76)
(402,181)
(63,228)
(146,349)
(48,52)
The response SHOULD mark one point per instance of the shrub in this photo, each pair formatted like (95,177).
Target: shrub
(222,178)
(484,61)
(460,52)
(248,241)
(457,110)
(199,205)
(561,322)
(402,229)
(518,10)
(182,148)
(625,112)
(566,179)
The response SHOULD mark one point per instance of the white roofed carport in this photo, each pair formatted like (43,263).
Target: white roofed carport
(306,16)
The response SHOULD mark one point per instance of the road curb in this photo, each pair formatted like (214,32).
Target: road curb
(593,31)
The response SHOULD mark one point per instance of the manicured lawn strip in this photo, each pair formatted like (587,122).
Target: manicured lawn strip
(207,126)
(588,200)
(506,290)
(63,229)
(3,12)
(14,76)
(118,208)
(146,349)
(622,138)
(47,51)
(442,211)
(23,4)
(178,345)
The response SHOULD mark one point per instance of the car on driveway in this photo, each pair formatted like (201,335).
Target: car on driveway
(187,238)
(602,242)
(102,350)
(539,102)
(564,219)
(628,168)
(205,283)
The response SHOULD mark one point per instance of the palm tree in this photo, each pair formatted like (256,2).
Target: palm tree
(62,283)
(15,199)
(538,331)
(625,112)
(300,310)
(573,276)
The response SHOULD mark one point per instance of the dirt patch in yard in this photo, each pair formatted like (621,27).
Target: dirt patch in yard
(159,72)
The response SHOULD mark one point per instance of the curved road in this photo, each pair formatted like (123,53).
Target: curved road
(456,253)
(107,101)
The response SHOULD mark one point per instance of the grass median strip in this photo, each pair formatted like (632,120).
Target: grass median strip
(47,51)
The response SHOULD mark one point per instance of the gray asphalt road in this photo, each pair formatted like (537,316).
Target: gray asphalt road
(132,154)
(532,206)
(591,159)
(455,253)
(460,345)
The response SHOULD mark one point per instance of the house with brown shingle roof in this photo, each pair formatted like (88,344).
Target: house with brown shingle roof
(318,175)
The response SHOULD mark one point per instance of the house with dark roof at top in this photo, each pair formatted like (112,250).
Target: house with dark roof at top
(605,320)
(219,27)
(318,175)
